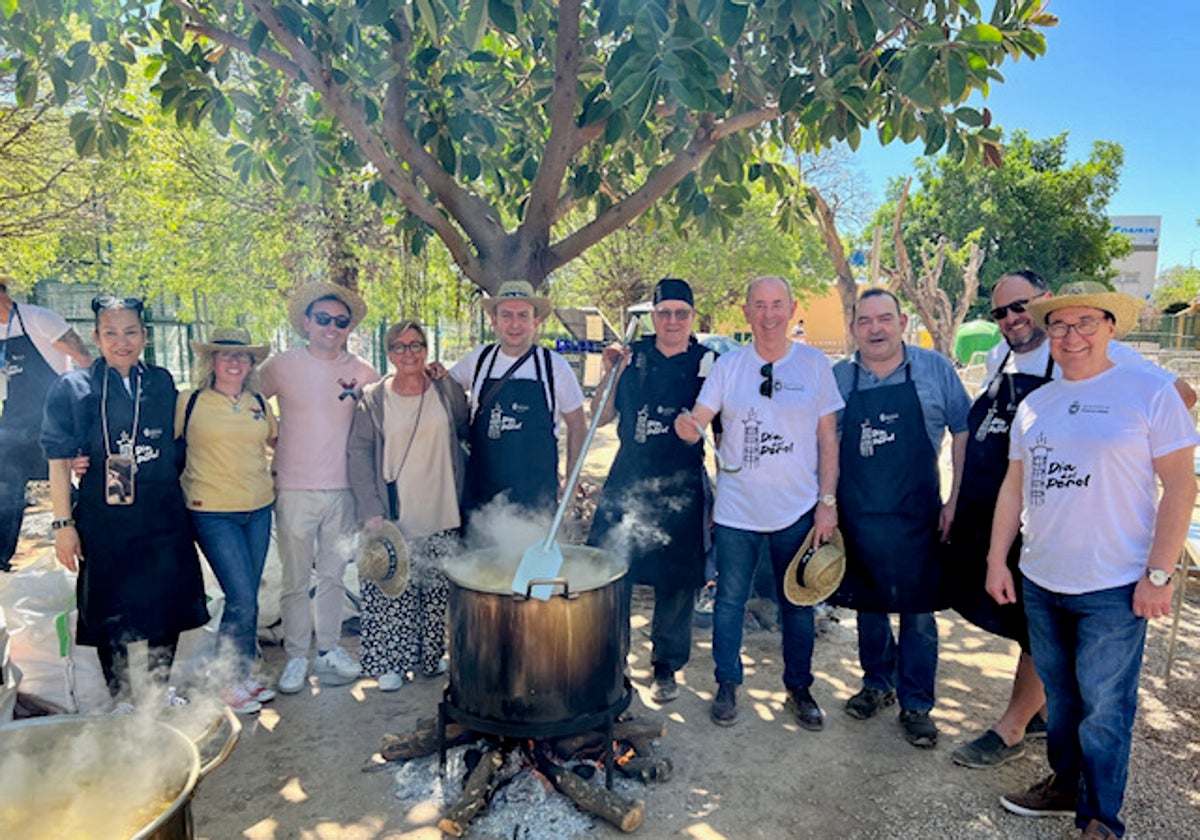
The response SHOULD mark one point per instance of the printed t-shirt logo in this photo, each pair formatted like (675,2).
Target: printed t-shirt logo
(760,442)
(1048,474)
(349,389)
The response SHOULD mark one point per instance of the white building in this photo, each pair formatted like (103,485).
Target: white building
(1137,272)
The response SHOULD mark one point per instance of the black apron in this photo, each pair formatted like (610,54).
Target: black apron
(656,477)
(513,447)
(889,500)
(986,464)
(140,576)
(29,379)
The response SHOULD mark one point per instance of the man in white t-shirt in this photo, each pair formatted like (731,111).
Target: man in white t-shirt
(778,403)
(1016,367)
(317,387)
(520,393)
(36,345)
(1099,546)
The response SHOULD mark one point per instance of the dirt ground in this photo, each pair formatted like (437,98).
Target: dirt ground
(303,767)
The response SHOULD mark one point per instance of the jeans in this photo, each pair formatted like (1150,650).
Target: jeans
(910,666)
(1088,651)
(12,511)
(737,556)
(236,547)
(670,627)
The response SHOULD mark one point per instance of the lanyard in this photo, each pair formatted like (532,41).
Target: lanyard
(137,407)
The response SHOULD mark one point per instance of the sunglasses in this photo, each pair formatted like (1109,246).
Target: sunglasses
(1016,307)
(401,348)
(768,384)
(233,356)
(673,314)
(324,319)
(110,302)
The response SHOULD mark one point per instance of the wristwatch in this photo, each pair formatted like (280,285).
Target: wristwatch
(59,524)
(1158,577)
(828,499)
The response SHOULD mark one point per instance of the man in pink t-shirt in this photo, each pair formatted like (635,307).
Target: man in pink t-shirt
(317,387)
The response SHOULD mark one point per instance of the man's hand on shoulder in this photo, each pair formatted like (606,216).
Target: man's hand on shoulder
(436,370)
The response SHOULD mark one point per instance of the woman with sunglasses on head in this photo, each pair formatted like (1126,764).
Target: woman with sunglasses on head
(227,427)
(406,466)
(126,531)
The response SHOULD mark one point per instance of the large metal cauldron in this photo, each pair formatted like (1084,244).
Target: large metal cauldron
(522,665)
(102,777)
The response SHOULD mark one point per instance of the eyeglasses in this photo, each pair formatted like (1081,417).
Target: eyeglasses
(401,348)
(674,314)
(1086,326)
(111,302)
(768,384)
(324,319)
(1016,308)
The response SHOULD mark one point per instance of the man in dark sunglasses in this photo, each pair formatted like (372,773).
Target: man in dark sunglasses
(778,404)
(900,402)
(317,387)
(1015,368)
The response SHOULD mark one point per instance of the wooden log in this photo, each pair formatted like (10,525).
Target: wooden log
(647,769)
(637,730)
(474,796)
(421,741)
(625,814)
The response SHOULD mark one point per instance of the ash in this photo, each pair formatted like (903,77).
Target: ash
(524,805)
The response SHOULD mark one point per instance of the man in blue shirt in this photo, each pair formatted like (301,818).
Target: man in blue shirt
(900,400)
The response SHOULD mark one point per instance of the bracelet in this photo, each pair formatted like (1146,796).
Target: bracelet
(59,524)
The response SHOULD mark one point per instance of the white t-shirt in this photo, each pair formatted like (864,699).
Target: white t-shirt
(1089,493)
(568,396)
(1035,361)
(774,440)
(44,328)
(316,407)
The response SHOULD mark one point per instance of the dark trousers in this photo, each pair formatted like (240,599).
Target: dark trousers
(114,662)
(12,511)
(671,628)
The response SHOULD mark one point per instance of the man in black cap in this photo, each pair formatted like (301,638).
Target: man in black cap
(652,507)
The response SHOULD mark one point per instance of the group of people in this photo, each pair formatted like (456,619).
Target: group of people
(1063,447)
(1051,531)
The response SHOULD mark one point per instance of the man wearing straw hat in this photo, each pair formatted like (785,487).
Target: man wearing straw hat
(520,393)
(900,401)
(1098,545)
(1015,368)
(778,404)
(317,387)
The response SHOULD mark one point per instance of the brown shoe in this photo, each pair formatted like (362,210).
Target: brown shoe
(1097,830)
(1041,800)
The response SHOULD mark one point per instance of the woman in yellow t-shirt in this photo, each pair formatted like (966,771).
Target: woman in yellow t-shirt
(227,427)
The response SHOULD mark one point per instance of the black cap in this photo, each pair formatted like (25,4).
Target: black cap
(672,288)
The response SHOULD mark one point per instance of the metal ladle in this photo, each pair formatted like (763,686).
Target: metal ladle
(722,465)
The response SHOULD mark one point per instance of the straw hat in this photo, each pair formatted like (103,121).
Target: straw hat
(815,573)
(518,290)
(1089,293)
(383,559)
(235,338)
(303,297)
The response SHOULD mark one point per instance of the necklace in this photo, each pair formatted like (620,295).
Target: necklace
(137,408)
(234,400)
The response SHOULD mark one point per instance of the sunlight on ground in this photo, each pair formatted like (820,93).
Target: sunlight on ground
(365,829)
(423,813)
(263,830)
(703,831)
(293,791)
(268,719)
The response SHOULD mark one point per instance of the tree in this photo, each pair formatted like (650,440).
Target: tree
(1178,284)
(491,120)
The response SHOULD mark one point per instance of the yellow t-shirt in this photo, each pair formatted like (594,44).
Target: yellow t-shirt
(227,466)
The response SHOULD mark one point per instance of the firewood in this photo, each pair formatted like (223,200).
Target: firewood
(637,731)
(625,814)
(421,741)
(474,796)
(646,769)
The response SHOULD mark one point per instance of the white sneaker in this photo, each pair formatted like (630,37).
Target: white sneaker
(174,700)
(237,698)
(391,681)
(294,674)
(337,663)
(257,690)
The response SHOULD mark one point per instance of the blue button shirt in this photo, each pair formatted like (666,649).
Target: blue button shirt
(944,400)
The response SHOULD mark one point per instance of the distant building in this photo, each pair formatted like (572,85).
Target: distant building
(1136,273)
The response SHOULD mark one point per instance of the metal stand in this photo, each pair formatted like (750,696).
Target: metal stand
(558,729)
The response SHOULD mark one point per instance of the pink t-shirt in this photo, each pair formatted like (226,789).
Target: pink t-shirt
(316,407)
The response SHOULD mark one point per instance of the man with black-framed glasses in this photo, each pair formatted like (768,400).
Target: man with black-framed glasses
(1015,368)
(778,403)
(317,386)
